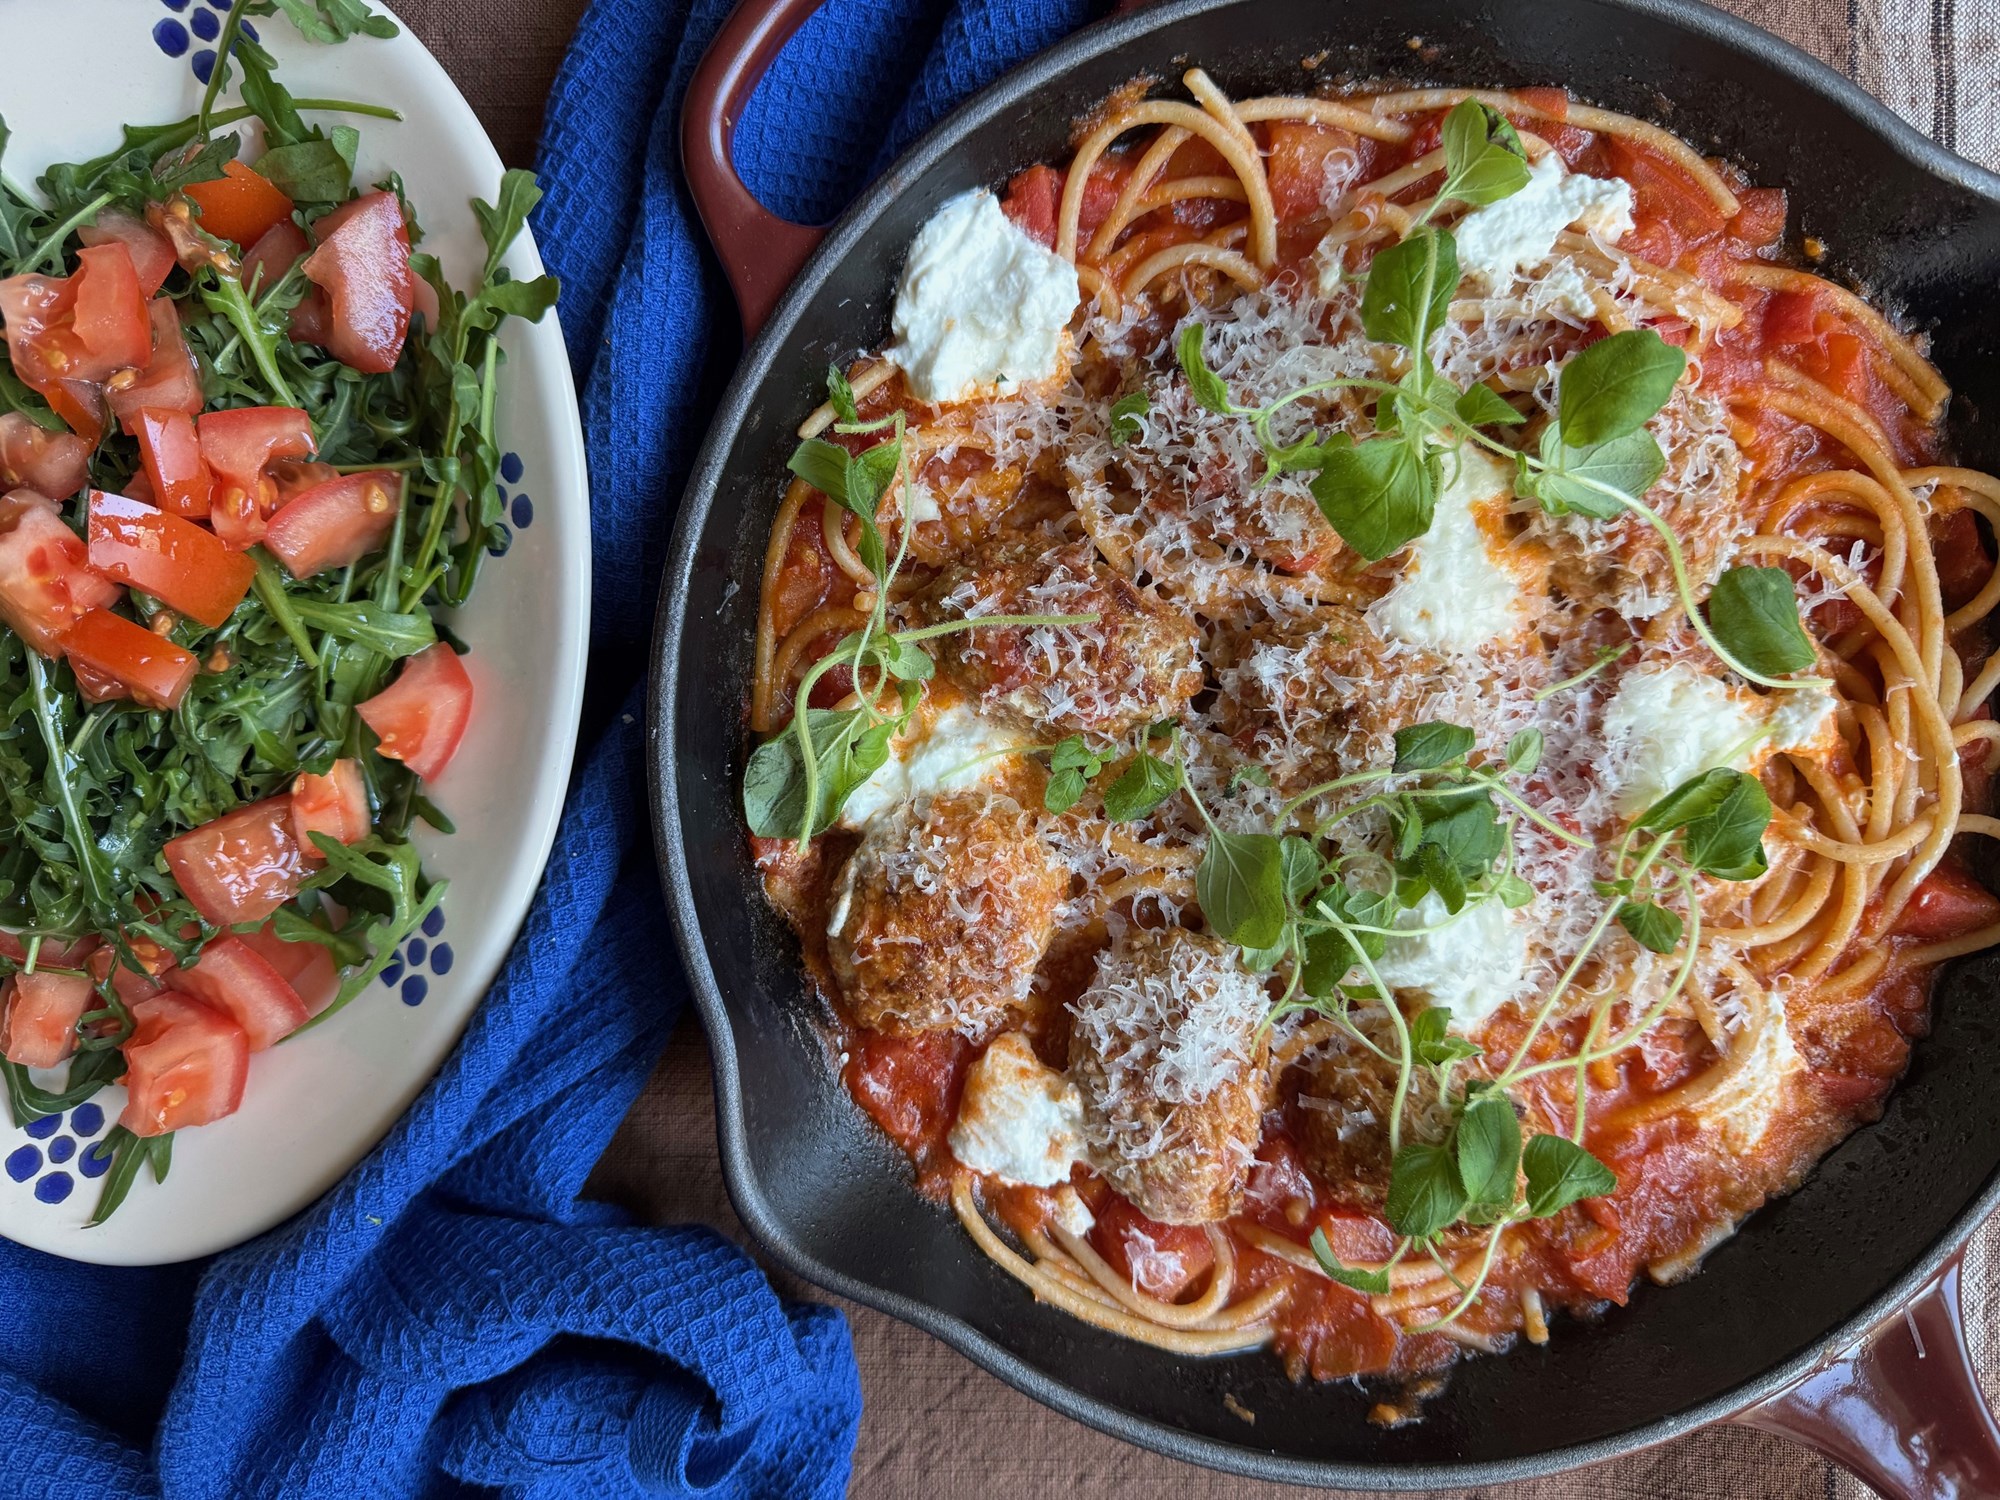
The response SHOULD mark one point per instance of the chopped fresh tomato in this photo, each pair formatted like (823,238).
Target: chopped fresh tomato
(135,662)
(46,582)
(39,1029)
(336,523)
(307,967)
(239,445)
(312,319)
(421,716)
(1948,904)
(151,251)
(1033,198)
(239,981)
(169,382)
(240,205)
(131,984)
(363,265)
(277,250)
(180,477)
(54,464)
(335,804)
(110,313)
(46,353)
(55,952)
(185,1064)
(175,561)
(242,866)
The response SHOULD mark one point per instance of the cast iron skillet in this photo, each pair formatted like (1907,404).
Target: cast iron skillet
(1777,1331)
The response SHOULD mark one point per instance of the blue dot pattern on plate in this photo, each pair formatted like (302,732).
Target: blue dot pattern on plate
(204,25)
(172,36)
(405,972)
(519,508)
(73,1147)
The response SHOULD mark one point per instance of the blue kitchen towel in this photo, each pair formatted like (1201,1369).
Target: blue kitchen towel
(452,1320)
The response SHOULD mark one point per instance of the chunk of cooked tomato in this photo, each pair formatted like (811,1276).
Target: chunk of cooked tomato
(363,266)
(39,1028)
(333,524)
(239,445)
(240,205)
(1302,163)
(335,804)
(185,1065)
(421,716)
(169,382)
(1161,1260)
(51,463)
(242,866)
(237,980)
(46,582)
(152,253)
(134,662)
(175,561)
(1948,904)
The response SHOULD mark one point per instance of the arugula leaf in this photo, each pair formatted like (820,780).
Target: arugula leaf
(1140,788)
(1561,1173)
(1125,414)
(1376,1282)
(1426,1194)
(1425,747)
(1240,884)
(128,1154)
(1489,1155)
(1410,287)
(1378,495)
(1575,479)
(1484,159)
(326,20)
(313,171)
(1754,612)
(1482,406)
(1651,926)
(1615,386)
(1210,390)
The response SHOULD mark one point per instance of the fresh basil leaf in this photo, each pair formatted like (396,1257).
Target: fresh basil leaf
(1303,868)
(1489,1155)
(1727,841)
(1073,754)
(1425,747)
(1064,791)
(846,753)
(869,478)
(1125,414)
(1693,798)
(1375,1282)
(1431,1042)
(1616,385)
(1443,876)
(822,465)
(1561,1173)
(1482,406)
(1378,495)
(1755,614)
(1426,1194)
(1249,774)
(1524,752)
(1240,884)
(1330,954)
(1576,479)
(1484,159)
(1409,290)
(1466,829)
(1513,892)
(1140,788)
(1210,390)
(840,395)
(1651,926)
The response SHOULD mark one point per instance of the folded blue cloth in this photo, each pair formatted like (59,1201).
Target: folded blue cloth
(452,1320)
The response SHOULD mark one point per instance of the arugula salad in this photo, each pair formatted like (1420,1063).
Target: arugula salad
(247,453)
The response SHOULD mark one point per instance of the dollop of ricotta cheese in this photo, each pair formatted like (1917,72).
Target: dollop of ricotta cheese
(1471,966)
(980,303)
(1455,594)
(1498,241)
(1018,1119)
(960,750)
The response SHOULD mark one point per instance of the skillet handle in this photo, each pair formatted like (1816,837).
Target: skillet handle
(1902,1409)
(760,252)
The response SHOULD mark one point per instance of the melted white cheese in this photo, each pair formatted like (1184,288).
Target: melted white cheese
(1669,724)
(980,303)
(1455,594)
(1019,1119)
(1472,966)
(1501,239)
(1737,1115)
(961,750)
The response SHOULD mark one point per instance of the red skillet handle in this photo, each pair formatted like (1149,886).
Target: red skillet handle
(1902,1409)
(760,252)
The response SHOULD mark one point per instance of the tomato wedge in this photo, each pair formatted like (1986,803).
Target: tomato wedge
(179,476)
(241,205)
(55,464)
(185,1064)
(152,252)
(131,985)
(46,584)
(110,313)
(238,445)
(335,804)
(175,561)
(421,716)
(54,952)
(39,1029)
(307,967)
(169,382)
(336,523)
(136,663)
(46,353)
(237,980)
(277,250)
(242,866)
(363,265)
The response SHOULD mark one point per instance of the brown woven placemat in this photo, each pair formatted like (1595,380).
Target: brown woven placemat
(936,1427)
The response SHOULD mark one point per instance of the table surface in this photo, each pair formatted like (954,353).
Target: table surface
(934,1424)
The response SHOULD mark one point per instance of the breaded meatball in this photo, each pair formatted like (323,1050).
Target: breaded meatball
(942,913)
(1135,666)
(1343,1117)
(1168,1048)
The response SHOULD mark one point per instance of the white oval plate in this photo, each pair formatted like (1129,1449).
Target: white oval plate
(314,1106)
